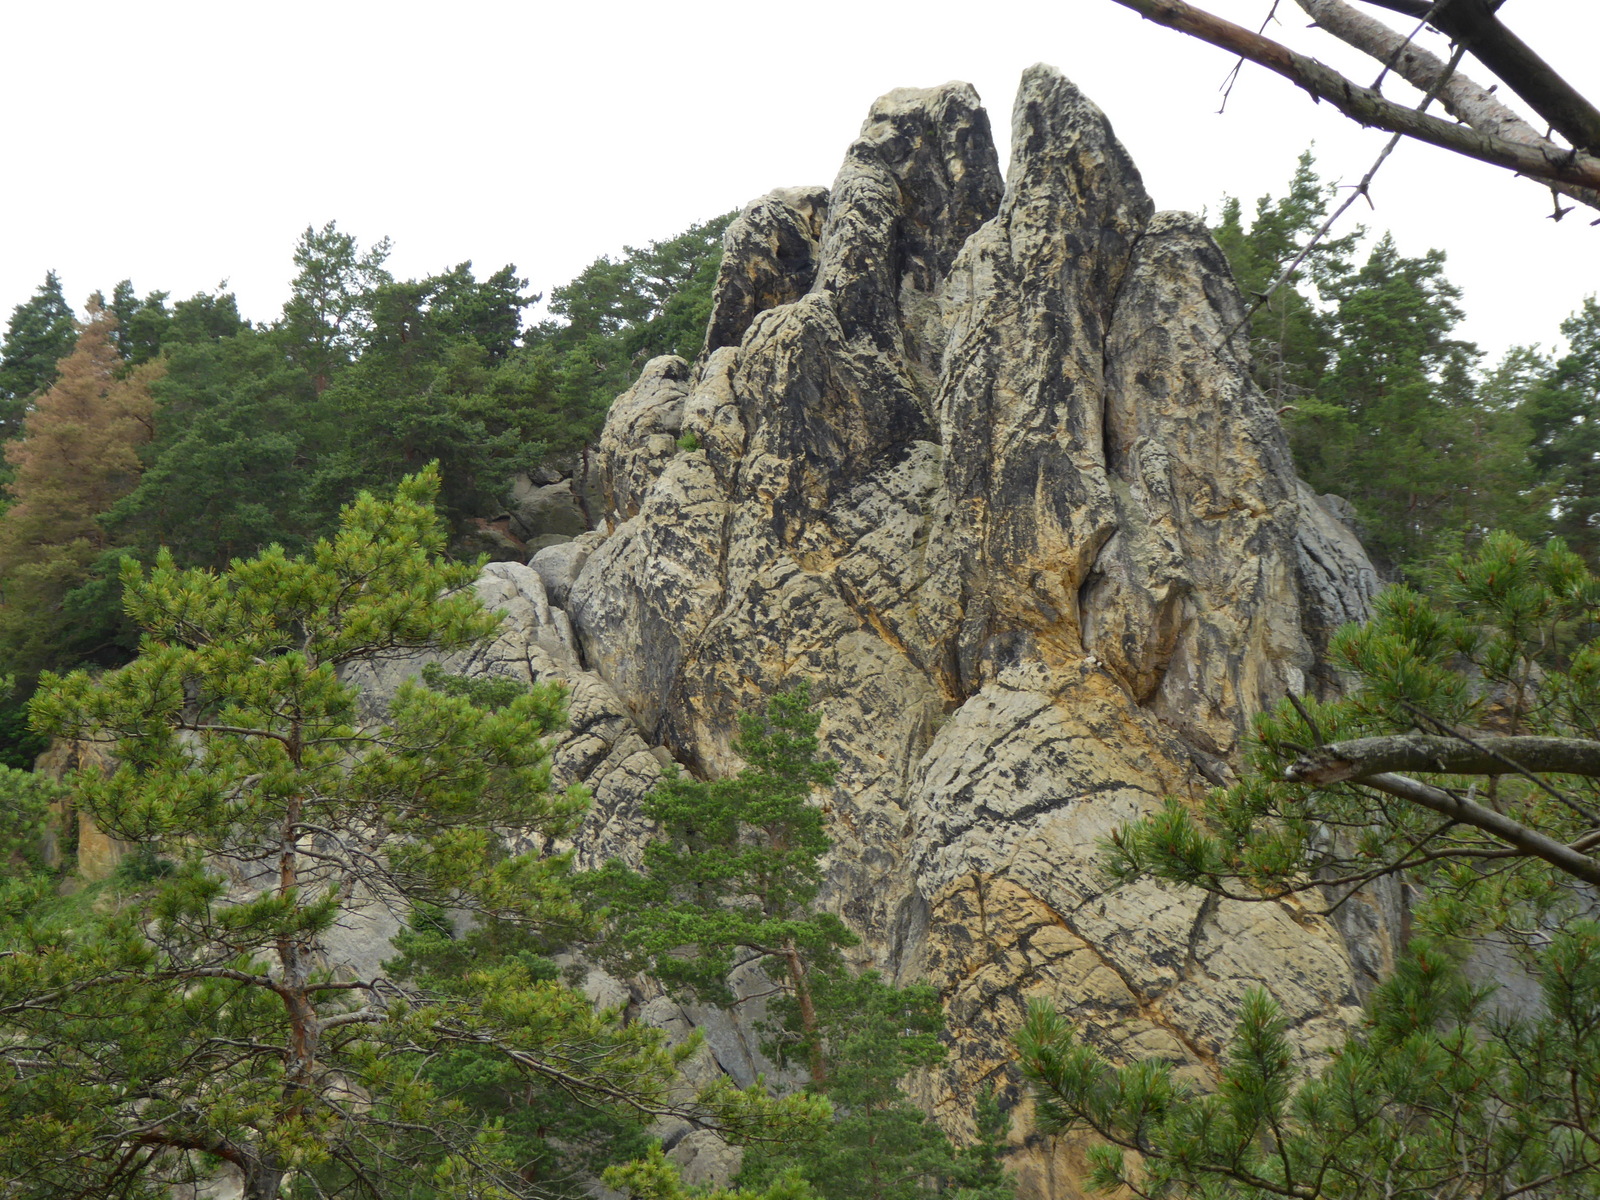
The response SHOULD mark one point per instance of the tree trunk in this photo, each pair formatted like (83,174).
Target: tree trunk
(808,1010)
(262,1181)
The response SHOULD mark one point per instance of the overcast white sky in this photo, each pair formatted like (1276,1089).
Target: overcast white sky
(180,143)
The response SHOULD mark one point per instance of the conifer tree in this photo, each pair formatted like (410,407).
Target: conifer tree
(1564,410)
(1382,403)
(145,326)
(39,334)
(438,381)
(618,313)
(329,313)
(1290,341)
(207,1019)
(732,880)
(1437,1095)
(77,456)
(735,872)
(880,1145)
(236,426)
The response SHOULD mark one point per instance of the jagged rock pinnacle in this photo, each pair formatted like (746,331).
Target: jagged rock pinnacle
(980,460)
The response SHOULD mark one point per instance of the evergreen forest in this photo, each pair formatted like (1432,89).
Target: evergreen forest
(173,468)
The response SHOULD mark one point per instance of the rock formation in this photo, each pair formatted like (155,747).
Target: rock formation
(981,458)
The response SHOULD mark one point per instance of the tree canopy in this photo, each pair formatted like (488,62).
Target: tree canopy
(1385,405)
(251,435)
(269,818)
(78,454)
(39,334)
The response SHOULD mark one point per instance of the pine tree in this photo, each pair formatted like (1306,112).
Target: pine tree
(1385,430)
(145,326)
(25,799)
(140,322)
(1383,405)
(235,429)
(328,317)
(1563,409)
(77,456)
(880,1145)
(1290,341)
(732,879)
(618,313)
(735,871)
(1434,1096)
(203,1019)
(427,388)
(40,333)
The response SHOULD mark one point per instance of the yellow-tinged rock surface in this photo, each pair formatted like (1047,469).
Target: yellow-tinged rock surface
(981,459)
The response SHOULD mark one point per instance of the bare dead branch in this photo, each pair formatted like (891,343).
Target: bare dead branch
(1463,98)
(1425,719)
(1365,106)
(1475,25)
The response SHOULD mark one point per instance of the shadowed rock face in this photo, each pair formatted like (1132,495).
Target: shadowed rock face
(983,463)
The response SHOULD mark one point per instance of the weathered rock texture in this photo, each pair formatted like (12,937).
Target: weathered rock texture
(978,458)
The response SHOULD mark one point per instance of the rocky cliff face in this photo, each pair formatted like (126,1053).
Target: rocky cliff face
(979,457)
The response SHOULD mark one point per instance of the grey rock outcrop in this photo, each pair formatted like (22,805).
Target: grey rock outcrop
(979,459)
(540,510)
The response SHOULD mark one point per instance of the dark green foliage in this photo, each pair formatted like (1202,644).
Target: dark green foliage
(1434,1097)
(735,868)
(424,390)
(490,692)
(880,1146)
(248,452)
(1382,404)
(732,879)
(145,325)
(25,800)
(328,317)
(412,321)
(39,334)
(619,314)
(1396,426)
(140,322)
(488,312)
(1507,643)
(553,1142)
(659,296)
(196,1021)
(261,435)
(981,1172)
(1289,337)
(1563,410)
(235,425)
(19,745)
